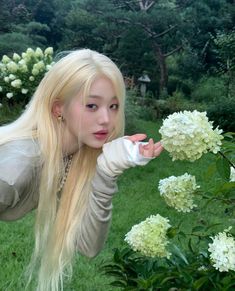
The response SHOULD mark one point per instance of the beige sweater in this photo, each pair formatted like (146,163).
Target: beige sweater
(19,182)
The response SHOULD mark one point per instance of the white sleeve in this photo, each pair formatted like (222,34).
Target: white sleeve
(120,154)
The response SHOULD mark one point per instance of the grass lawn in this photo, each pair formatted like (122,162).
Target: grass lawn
(137,198)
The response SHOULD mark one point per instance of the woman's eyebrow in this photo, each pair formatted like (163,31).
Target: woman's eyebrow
(100,97)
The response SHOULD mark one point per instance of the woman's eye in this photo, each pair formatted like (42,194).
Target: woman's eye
(114,106)
(92,106)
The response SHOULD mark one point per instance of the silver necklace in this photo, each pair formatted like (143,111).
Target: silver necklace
(67,167)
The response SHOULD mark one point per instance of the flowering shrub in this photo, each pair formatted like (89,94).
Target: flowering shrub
(187,135)
(20,75)
(149,236)
(178,191)
(201,256)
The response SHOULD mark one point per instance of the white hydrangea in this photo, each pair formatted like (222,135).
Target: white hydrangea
(38,52)
(39,66)
(16,57)
(23,68)
(5,59)
(48,51)
(22,62)
(48,67)
(16,83)
(35,72)
(29,51)
(178,191)
(9,95)
(12,67)
(149,236)
(30,65)
(24,91)
(1,105)
(232,174)
(222,252)
(187,135)
(12,77)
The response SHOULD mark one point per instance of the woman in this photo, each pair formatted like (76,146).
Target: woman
(63,156)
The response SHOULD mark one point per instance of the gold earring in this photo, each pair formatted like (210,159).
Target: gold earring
(60,118)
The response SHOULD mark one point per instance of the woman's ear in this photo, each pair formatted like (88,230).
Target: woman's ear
(57,108)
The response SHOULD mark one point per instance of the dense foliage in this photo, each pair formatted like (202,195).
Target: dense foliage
(186,47)
(178,40)
(161,256)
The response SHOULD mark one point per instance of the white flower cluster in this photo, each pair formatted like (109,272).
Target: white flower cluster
(149,236)
(232,174)
(187,135)
(16,72)
(222,251)
(178,191)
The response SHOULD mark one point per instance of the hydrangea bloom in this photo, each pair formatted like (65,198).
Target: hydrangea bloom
(222,251)
(16,83)
(16,57)
(187,135)
(9,95)
(149,236)
(178,191)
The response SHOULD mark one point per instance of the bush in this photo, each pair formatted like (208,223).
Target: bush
(20,75)
(14,42)
(222,112)
(9,113)
(176,103)
(151,109)
(132,112)
(177,84)
(138,108)
(209,89)
(202,255)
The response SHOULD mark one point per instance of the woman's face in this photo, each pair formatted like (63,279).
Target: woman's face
(93,122)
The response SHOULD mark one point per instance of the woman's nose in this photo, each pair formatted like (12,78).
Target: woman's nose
(104,117)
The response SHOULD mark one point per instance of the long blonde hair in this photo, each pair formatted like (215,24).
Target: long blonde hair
(57,223)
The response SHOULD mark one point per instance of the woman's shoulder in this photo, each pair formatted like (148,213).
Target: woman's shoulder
(22,147)
(18,157)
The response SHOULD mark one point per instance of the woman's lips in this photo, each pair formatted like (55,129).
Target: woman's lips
(101,135)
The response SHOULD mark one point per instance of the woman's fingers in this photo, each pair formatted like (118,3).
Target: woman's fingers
(149,149)
(158,149)
(136,137)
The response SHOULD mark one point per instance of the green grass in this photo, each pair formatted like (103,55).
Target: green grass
(137,198)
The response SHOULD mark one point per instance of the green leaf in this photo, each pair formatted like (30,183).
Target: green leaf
(212,225)
(190,246)
(182,234)
(167,279)
(223,168)
(210,172)
(198,228)
(179,254)
(118,283)
(172,231)
(200,282)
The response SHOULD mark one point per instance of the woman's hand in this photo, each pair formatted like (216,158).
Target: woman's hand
(125,152)
(150,149)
